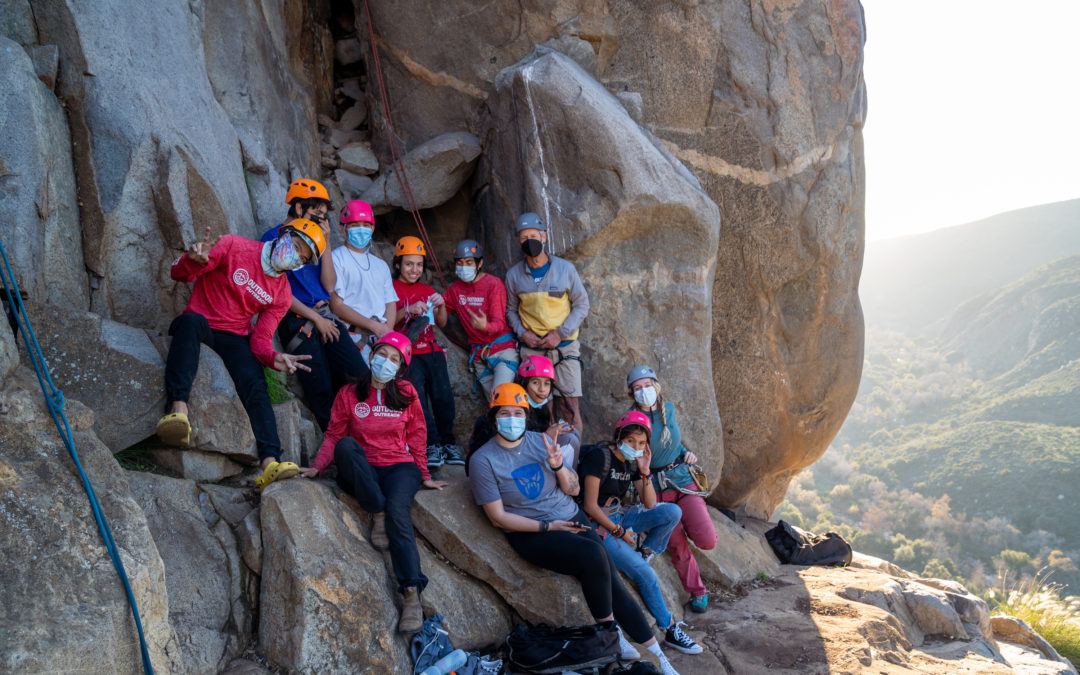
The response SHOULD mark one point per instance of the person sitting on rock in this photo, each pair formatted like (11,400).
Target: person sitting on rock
(479,300)
(524,487)
(417,306)
(536,375)
(309,327)
(236,279)
(673,482)
(635,533)
(376,440)
(546,303)
(363,294)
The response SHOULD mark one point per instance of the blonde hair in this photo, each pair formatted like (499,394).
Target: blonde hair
(665,436)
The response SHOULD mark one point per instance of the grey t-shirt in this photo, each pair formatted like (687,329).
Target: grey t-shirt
(521,478)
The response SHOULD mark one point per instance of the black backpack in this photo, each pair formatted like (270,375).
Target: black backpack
(546,649)
(798,547)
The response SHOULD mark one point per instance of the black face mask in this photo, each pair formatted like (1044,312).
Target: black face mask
(532,247)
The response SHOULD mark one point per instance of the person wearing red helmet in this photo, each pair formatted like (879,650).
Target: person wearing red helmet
(419,306)
(525,488)
(362,289)
(673,482)
(376,439)
(635,532)
(309,327)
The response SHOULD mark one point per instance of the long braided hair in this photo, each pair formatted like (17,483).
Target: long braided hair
(665,435)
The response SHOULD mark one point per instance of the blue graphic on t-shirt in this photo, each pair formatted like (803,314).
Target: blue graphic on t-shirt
(529,480)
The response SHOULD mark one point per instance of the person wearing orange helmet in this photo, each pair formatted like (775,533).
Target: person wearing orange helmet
(376,440)
(525,488)
(635,532)
(235,280)
(419,306)
(362,290)
(310,327)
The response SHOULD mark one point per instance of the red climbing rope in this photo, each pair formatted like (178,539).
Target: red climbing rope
(395,154)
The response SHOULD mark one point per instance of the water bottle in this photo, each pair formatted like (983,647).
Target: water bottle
(454,659)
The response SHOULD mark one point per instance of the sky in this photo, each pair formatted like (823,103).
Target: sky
(973,109)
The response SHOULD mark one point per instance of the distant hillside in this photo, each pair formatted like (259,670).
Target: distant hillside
(911,283)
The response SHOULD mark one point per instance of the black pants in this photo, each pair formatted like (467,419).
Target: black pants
(583,556)
(189,331)
(427,372)
(331,363)
(390,489)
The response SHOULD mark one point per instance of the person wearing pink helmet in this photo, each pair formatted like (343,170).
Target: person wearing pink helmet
(363,291)
(377,439)
(634,532)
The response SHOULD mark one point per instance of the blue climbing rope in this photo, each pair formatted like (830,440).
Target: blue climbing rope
(54,398)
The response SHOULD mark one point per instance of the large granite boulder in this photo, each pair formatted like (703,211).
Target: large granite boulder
(764,103)
(62,607)
(40,227)
(9,350)
(197,573)
(327,603)
(436,170)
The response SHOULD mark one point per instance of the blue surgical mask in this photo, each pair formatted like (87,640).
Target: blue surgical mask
(646,396)
(465,273)
(360,237)
(541,404)
(382,368)
(629,452)
(510,428)
(285,257)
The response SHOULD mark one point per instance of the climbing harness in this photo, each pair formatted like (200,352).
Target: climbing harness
(54,399)
(395,153)
(484,352)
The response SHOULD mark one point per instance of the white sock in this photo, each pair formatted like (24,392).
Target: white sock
(655,649)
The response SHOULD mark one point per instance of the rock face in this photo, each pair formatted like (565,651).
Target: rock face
(436,170)
(40,227)
(63,608)
(764,103)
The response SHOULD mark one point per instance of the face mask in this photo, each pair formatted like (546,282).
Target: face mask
(510,428)
(629,452)
(383,369)
(646,396)
(360,237)
(285,257)
(541,404)
(532,247)
(465,273)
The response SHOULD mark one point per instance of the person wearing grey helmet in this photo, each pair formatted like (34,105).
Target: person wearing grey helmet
(479,300)
(546,304)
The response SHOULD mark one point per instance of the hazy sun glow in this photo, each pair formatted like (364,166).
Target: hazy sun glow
(974,109)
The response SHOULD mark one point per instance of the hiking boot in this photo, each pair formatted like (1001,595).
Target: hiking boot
(453,454)
(677,639)
(378,531)
(665,666)
(699,603)
(412,615)
(434,455)
(629,652)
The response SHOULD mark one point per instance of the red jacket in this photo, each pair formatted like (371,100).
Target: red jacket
(231,288)
(408,294)
(387,436)
(488,294)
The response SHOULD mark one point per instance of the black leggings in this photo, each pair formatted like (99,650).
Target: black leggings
(583,556)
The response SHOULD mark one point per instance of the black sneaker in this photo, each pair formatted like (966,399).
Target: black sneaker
(677,639)
(453,455)
(435,455)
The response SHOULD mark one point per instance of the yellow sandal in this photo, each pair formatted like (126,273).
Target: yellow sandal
(276,471)
(174,429)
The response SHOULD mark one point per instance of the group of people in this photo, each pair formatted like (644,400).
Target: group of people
(359,334)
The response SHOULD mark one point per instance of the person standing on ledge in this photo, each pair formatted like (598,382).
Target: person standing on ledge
(546,303)
(236,279)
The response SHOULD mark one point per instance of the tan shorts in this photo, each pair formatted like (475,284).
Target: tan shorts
(567,367)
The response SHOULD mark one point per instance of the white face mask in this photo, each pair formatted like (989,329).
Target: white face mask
(646,396)
(465,272)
